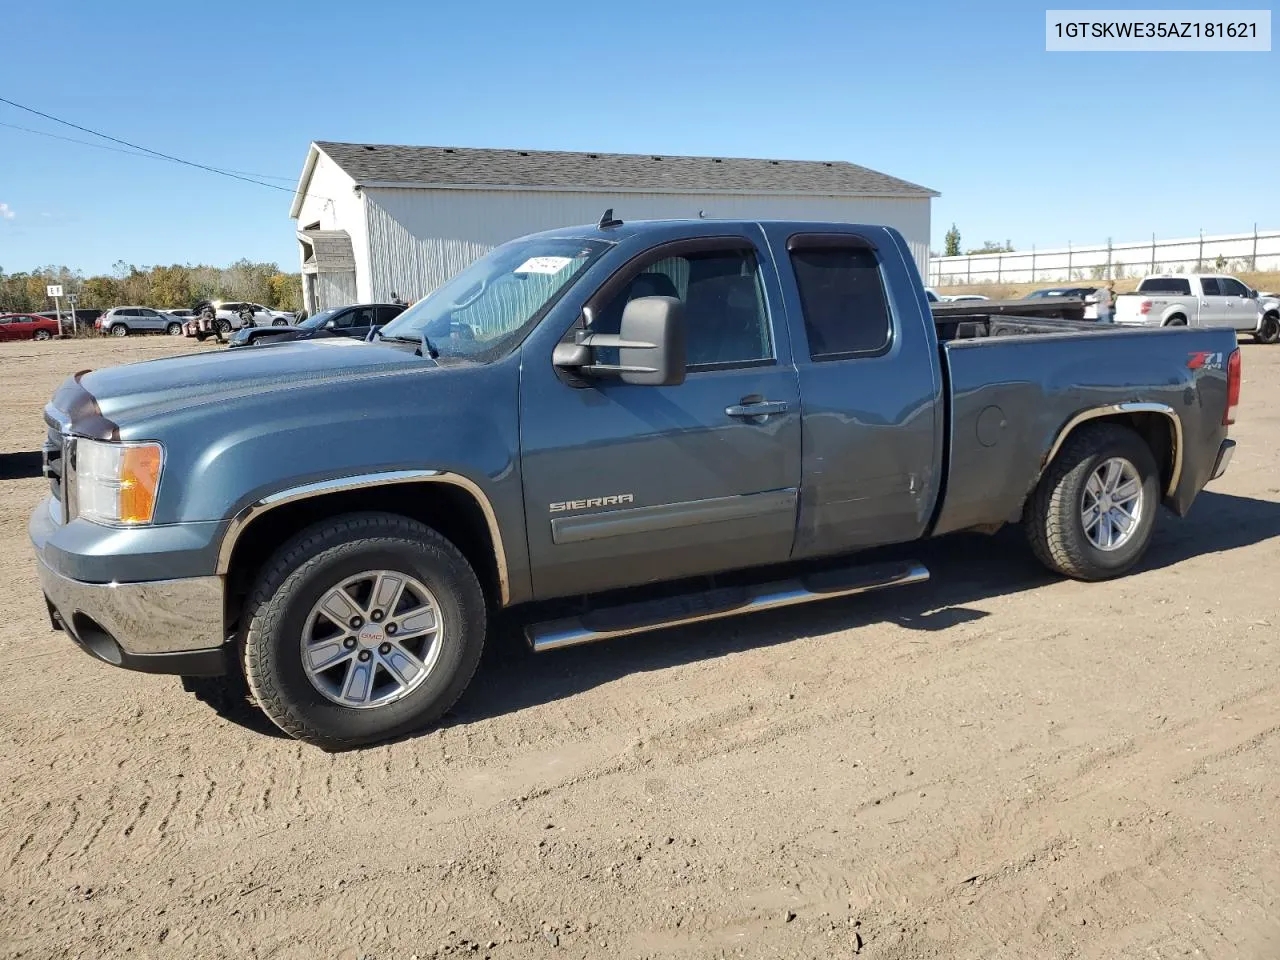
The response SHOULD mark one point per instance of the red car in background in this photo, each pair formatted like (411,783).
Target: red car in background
(27,326)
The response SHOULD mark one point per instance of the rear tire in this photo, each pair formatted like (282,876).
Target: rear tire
(174,329)
(119,330)
(278,322)
(1269,332)
(1057,519)
(1177,320)
(42,335)
(224,327)
(285,616)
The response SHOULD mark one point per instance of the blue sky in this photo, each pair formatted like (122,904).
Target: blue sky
(1024,145)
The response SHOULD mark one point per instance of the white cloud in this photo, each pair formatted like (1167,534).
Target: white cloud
(6,212)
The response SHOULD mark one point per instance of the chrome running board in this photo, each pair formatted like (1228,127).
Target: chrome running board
(720,602)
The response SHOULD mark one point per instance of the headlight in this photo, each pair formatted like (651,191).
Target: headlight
(116,482)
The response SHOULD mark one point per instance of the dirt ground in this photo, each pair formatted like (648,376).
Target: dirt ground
(996,764)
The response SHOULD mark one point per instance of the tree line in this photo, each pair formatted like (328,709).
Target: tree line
(951,246)
(171,287)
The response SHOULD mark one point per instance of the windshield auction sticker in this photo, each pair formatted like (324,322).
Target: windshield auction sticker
(1135,31)
(544,265)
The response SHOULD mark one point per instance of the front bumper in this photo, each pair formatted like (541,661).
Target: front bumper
(156,626)
(1225,453)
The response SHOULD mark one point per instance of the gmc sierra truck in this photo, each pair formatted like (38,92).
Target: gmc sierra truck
(1199,300)
(580,413)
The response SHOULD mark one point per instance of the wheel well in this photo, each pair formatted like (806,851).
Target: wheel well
(1154,428)
(1174,316)
(447,509)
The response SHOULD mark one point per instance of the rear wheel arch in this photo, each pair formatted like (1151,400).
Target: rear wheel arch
(452,505)
(1156,423)
(1175,320)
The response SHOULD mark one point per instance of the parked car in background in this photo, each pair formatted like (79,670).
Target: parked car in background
(357,321)
(1071,292)
(122,321)
(262,316)
(182,314)
(959,297)
(27,326)
(1196,300)
(84,317)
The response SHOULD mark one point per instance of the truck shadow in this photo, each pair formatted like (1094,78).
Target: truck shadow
(965,569)
(21,466)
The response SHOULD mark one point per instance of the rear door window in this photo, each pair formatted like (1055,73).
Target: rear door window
(1209,287)
(846,311)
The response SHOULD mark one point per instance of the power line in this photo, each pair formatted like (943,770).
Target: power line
(127,153)
(146,150)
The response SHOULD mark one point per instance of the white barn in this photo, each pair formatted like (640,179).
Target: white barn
(374,219)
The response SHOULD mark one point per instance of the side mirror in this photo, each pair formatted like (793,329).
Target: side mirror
(330,324)
(651,346)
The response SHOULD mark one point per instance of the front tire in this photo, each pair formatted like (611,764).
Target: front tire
(1269,332)
(362,628)
(1092,515)
(279,322)
(224,327)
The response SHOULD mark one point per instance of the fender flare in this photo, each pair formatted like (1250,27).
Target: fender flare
(246,516)
(1120,409)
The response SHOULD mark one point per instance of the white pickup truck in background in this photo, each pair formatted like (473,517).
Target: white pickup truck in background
(1200,300)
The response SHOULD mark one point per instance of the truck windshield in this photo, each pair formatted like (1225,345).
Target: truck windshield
(483,312)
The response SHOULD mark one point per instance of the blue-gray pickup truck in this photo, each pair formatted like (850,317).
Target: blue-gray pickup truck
(581,412)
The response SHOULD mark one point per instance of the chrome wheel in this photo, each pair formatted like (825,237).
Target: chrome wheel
(372,639)
(1112,503)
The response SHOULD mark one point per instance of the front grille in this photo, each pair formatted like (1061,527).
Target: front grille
(52,457)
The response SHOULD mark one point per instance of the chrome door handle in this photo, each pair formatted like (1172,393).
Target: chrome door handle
(761,408)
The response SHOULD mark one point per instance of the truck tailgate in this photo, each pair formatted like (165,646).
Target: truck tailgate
(1011,397)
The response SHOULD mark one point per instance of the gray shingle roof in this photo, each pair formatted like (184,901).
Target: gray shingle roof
(385,163)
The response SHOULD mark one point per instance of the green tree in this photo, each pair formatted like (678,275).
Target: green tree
(170,287)
(286,291)
(100,292)
(992,246)
(952,241)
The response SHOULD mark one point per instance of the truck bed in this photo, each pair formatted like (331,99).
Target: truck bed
(974,325)
(1011,392)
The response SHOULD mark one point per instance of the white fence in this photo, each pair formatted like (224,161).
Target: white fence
(1228,253)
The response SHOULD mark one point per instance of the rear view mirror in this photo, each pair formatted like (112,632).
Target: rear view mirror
(651,346)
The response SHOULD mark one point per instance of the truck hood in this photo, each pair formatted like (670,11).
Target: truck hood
(101,402)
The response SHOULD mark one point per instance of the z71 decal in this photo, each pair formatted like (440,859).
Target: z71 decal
(1205,360)
(613,501)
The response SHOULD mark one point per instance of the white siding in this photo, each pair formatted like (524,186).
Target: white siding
(333,203)
(335,290)
(418,238)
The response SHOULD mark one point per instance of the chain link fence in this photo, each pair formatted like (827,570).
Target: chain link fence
(1224,253)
